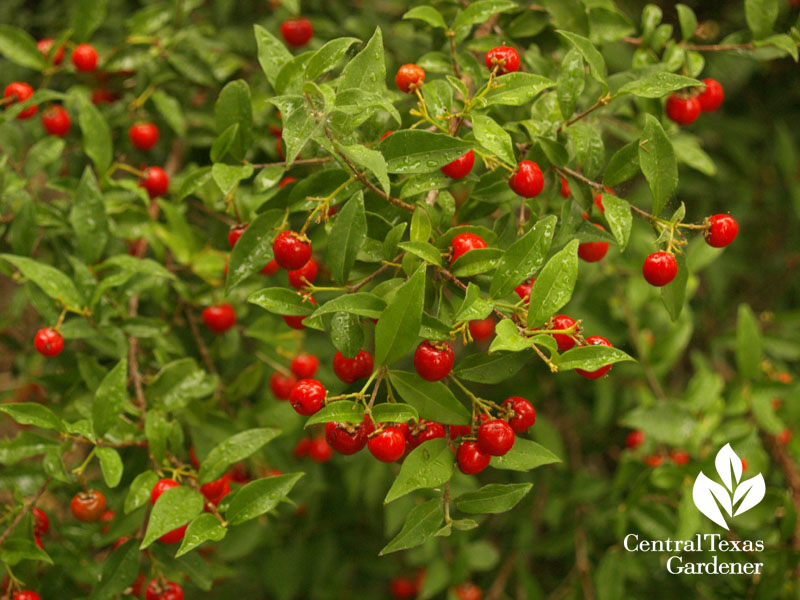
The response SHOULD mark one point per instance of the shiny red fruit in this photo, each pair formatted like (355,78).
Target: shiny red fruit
(219,318)
(26,595)
(460,167)
(721,230)
(524,415)
(21,91)
(424,431)
(301,448)
(523,290)
(297,32)
(296,321)
(45,45)
(565,191)
(144,135)
(286,181)
(156,182)
(457,431)
(504,58)
(163,591)
(660,268)
(281,385)
(433,361)
(88,506)
(84,57)
(48,342)
(388,445)
(56,120)
(270,268)
(174,536)
(307,396)
(320,450)
(402,588)
(683,111)
(463,243)
(385,135)
(350,370)
(481,330)
(654,460)
(679,457)
(348,438)
(596,340)
(305,275)
(234,234)
(215,491)
(305,365)
(634,439)
(564,341)
(471,458)
(41,522)
(527,180)
(103,96)
(161,486)
(496,437)
(593,251)
(291,250)
(468,591)
(409,78)
(712,96)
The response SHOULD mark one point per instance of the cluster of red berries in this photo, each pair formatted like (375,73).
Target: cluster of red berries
(684,108)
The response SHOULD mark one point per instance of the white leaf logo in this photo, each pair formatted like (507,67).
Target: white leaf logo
(709,496)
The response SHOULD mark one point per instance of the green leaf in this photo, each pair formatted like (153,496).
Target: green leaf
(395,412)
(347,237)
(259,497)
(43,153)
(170,109)
(428,14)
(300,123)
(174,508)
(623,165)
(120,569)
(110,398)
(140,490)
(15,550)
(54,466)
(272,54)
(412,151)
(749,345)
(571,81)
(508,337)
(569,15)
(347,333)
(367,71)
(516,89)
(202,528)
(228,176)
(157,430)
(397,328)
(619,217)
(179,382)
(554,285)
(761,16)
(657,85)
(422,522)
(281,301)
(32,413)
(110,464)
(326,58)
(194,181)
(610,573)
(372,160)
(429,465)
(96,134)
(523,258)
(253,250)
(474,307)
(481,11)
(658,163)
(689,152)
(491,368)
(673,295)
(424,250)
(590,358)
(494,138)
(345,411)
(493,498)
(432,399)
(362,304)
(477,261)
(88,218)
(235,448)
(20,48)
(86,17)
(592,56)
(688,21)
(524,456)
(780,40)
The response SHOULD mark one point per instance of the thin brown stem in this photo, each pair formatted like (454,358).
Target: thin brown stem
(373,275)
(25,509)
(201,345)
(297,163)
(600,103)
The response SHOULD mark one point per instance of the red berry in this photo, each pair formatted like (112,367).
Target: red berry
(161,486)
(385,135)
(481,330)
(654,460)
(679,457)
(48,342)
(565,192)
(143,135)
(88,506)
(234,234)
(596,340)
(457,431)
(216,490)
(460,167)
(434,361)
(496,437)
(174,536)
(271,268)
(84,57)
(402,588)
(527,180)
(409,78)
(471,458)
(683,111)
(219,318)
(307,396)
(463,243)
(523,290)
(320,450)
(21,91)
(286,181)
(167,591)
(423,432)
(291,250)
(281,385)
(468,591)
(593,251)
(744,464)
(712,97)
(660,268)
(348,438)
(103,96)
(45,45)
(41,522)
(635,439)
(564,341)
(301,448)
(305,365)
(350,370)
(388,445)
(503,57)
(296,321)
(155,181)
(56,120)
(721,230)
(524,415)
(303,276)
(26,595)
(785,436)
(297,32)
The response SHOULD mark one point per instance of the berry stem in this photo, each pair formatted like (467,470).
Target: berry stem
(602,101)
(79,470)
(323,204)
